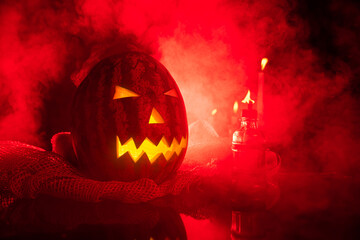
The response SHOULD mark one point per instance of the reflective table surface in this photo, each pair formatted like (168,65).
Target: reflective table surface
(291,206)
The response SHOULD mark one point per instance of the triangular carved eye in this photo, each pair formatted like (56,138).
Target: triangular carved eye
(155,117)
(171,93)
(121,92)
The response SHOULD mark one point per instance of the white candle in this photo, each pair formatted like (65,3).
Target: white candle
(260,93)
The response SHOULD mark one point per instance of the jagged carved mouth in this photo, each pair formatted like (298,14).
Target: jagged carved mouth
(150,149)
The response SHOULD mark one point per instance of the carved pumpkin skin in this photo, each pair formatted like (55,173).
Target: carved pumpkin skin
(98,119)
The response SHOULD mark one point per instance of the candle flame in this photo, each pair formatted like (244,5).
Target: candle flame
(247,99)
(264,61)
(236,106)
(213,112)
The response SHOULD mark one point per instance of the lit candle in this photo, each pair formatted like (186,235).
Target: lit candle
(234,118)
(260,93)
(212,118)
(236,107)
(249,112)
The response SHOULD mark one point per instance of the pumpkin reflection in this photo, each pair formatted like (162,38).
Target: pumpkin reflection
(61,218)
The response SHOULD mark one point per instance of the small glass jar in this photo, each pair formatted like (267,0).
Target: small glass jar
(248,144)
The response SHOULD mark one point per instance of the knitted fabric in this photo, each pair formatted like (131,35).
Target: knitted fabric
(27,171)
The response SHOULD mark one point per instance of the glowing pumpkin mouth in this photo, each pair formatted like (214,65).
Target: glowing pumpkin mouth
(150,149)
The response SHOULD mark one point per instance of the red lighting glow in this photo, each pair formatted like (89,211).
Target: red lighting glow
(212,51)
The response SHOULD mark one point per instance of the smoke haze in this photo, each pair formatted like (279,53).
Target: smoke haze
(212,49)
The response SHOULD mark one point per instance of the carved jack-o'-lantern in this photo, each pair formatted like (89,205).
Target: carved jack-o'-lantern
(129,120)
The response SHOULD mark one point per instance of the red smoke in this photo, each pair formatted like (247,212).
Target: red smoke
(30,61)
(213,50)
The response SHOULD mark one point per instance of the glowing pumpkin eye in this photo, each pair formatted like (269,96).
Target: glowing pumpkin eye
(121,92)
(155,117)
(171,93)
